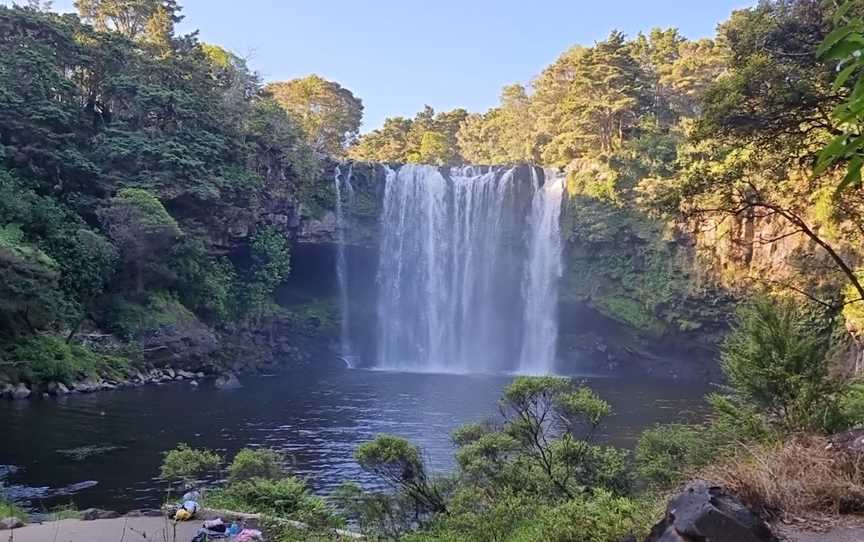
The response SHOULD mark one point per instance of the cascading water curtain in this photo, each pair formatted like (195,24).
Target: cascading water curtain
(469,261)
(543,270)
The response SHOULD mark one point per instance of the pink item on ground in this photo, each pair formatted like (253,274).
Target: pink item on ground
(249,535)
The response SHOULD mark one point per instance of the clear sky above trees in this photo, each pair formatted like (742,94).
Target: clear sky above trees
(398,56)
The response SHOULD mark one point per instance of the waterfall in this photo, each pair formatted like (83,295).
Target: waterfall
(458,288)
(339,182)
(542,273)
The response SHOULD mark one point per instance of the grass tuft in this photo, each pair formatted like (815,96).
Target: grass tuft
(804,475)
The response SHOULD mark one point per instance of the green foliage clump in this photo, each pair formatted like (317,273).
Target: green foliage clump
(131,318)
(256,463)
(775,361)
(30,295)
(314,318)
(280,531)
(378,514)
(185,463)
(600,516)
(138,223)
(665,454)
(399,463)
(286,498)
(271,264)
(46,358)
(8,509)
(65,511)
(208,284)
(852,403)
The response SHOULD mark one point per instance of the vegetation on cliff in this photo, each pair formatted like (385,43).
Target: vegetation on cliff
(147,180)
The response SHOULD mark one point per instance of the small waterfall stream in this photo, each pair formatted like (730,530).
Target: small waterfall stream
(468,269)
(543,270)
(343,182)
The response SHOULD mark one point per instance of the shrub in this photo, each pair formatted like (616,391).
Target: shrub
(279,531)
(776,362)
(49,357)
(803,475)
(553,423)
(665,454)
(388,515)
(852,404)
(598,517)
(130,318)
(263,463)
(65,511)
(398,463)
(9,509)
(185,463)
(286,498)
(474,516)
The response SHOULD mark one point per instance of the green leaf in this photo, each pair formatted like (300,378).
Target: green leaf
(830,154)
(833,38)
(846,48)
(841,12)
(844,75)
(853,174)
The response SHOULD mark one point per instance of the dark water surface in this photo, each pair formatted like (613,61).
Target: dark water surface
(317,417)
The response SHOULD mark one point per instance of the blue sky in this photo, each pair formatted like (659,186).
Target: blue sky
(397,55)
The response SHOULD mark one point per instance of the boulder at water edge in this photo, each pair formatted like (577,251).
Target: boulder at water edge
(705,512)
(21,392)
(228,381)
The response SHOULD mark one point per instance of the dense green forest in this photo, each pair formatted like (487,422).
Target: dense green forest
(151,179)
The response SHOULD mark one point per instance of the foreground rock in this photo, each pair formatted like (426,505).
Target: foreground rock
(849,441)
(92,514)
(10,523)
(703,512)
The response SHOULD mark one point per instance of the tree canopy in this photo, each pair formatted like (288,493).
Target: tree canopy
(329,114)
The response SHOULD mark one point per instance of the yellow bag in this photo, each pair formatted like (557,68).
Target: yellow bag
(182,515)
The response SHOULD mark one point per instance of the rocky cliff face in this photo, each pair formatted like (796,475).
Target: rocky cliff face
(317,224)
(639,295)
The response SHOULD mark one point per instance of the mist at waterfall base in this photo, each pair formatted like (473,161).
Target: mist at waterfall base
(468,264)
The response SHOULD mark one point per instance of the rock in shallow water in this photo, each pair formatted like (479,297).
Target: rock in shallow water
(228,381)
(6,390)
(705,512)
(21,392)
